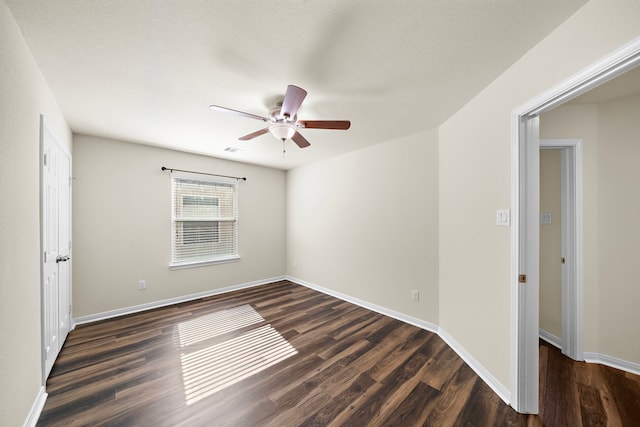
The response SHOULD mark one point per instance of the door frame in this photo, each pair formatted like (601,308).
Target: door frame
(525,192)
(572,238)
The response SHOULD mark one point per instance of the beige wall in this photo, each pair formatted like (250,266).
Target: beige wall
(551,244)
(365,224)
(619,228)
(611,231)
(475,163)
(121,225)
(24,95)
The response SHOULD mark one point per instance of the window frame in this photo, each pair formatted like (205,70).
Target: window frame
(174,261)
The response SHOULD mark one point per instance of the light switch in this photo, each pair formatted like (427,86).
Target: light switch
(503,217)
(545,218)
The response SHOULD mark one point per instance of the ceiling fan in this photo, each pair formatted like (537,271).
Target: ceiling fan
(283,120)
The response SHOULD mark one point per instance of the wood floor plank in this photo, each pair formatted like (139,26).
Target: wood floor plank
(285,355)
(487,410)
(296,415)
(404,383)
(361,333)
(400,354)
(442,366)
(326,370)
(593,413)
(238,403)
(415,408)
(325,415)
(627,399)
(365,317)
(454,397)
(559,382)
(357,403)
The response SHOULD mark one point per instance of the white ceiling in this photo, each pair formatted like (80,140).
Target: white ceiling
(146,70)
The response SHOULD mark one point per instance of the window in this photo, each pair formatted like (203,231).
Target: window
(194,232)
(204,220)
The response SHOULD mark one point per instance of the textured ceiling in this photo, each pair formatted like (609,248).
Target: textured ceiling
(146,71)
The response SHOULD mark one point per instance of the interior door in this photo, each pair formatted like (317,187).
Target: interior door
(50,182)
(56,247)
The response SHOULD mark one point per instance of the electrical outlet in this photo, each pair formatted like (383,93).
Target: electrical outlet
(142,284)
(415,295)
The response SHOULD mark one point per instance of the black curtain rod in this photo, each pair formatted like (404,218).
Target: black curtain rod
(203,173)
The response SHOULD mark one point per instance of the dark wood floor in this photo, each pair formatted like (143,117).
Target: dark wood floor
(284,355)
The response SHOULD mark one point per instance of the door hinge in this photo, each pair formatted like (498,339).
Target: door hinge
(562,260)
(44,160)
(522,278)
(45,256)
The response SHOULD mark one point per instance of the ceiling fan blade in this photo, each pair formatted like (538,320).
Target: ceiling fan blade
(238,113)
(325,124)
(292,101)
(300,140)
(254,134)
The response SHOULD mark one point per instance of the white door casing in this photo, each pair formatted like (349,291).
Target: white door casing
(525,240)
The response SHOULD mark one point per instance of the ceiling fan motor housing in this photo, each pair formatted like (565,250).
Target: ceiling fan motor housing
(274,114)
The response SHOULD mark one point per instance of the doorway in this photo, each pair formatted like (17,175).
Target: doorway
(525,208)
(55,173)
(566,228)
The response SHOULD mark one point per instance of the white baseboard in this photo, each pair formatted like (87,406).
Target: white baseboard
(163,303)
(551,339)
(373,307)
(612,362)
(485,375)
(36,408)
(591,357)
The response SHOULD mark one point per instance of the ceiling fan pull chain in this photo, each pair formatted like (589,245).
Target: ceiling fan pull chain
(284,151)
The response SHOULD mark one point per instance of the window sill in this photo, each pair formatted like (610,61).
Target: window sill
(195,264)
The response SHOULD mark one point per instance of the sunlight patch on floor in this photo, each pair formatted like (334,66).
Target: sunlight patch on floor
(215,324)
(207,369)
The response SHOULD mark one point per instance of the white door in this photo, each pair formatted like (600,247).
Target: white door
(56,247)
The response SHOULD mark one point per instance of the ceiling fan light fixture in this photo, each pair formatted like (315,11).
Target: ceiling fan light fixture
(282,130)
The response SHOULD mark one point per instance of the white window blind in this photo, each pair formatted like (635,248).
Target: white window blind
(204,219)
